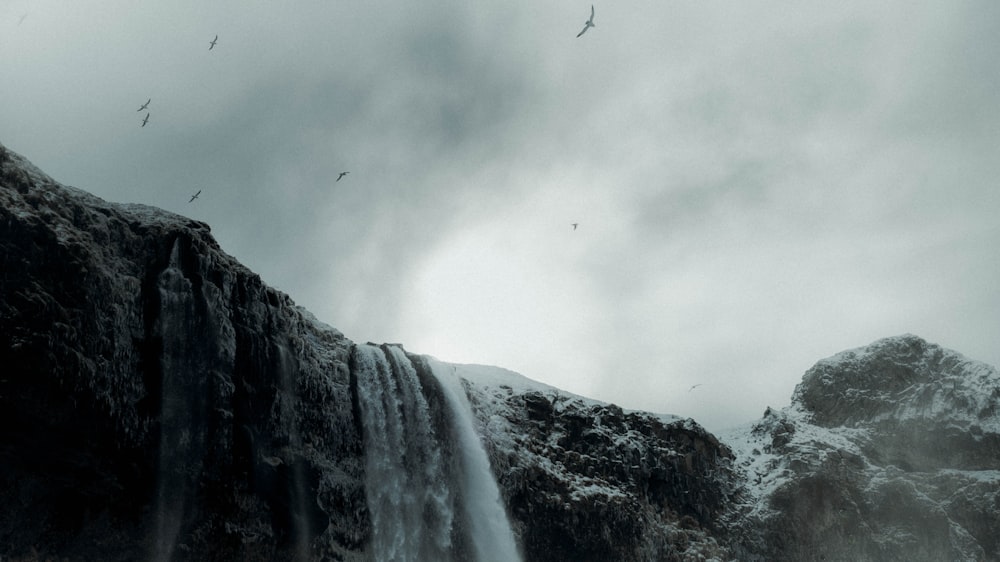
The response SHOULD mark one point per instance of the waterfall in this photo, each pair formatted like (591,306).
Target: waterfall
(426,503)
(298,491)
(487,519)
(180,443)
(408,501)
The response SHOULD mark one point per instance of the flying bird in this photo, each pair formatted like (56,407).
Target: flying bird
(212,44)
(20,21)
(145,105)
(145,120)
(342,174)
(575,224)
(694,387)
(195,196)
(590,22)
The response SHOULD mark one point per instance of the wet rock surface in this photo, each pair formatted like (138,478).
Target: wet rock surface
(159,401)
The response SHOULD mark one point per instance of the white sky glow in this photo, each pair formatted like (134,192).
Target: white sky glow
(757,185)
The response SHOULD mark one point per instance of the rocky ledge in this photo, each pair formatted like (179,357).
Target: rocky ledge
(159,401)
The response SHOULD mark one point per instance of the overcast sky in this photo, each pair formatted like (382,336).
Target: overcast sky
(758,184)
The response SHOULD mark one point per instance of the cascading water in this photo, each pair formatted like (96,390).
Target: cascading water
(486,516)
(287,403)
(407,498)
(178,443)
(425,503)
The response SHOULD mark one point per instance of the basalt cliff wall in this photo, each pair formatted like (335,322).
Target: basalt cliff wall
(158,401)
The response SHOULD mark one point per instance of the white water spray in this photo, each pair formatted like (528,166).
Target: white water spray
(414,496)
(408,500)
(494,539)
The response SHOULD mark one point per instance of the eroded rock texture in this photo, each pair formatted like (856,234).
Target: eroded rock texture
(588,481)
(158,401)
(888,452)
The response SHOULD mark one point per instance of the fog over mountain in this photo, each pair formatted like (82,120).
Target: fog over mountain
(161,402)
(755,185)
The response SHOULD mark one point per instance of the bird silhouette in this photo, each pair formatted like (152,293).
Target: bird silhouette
(575,224)
(195,196)
(212,44)
(145,105)
(590,22)
(342,174)
(145,120)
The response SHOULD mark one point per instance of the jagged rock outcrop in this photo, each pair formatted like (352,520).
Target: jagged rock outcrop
(925,408)
(588,481)
(888,452)
(159,401)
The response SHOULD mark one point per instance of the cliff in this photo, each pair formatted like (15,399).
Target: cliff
(159,401)
(585,480)
(887,452)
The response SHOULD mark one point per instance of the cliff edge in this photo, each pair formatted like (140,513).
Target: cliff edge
(159,401)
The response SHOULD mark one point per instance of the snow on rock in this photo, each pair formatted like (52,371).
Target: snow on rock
(887,452)
(161,402)
(586,480)
(901,379)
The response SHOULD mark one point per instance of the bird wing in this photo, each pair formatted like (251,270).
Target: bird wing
(590,22)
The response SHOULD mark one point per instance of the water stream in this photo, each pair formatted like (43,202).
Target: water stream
(430,491)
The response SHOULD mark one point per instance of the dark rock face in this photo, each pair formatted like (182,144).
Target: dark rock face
(159,402)
(925,406)
(888,452)
(586,481)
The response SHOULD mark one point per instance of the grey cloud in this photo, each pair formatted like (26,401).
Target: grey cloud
(757,186)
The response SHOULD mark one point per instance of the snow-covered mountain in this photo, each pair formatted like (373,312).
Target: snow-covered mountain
(887,452)
(160,402)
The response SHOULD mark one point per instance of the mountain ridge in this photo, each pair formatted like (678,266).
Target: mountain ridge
(162,402)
